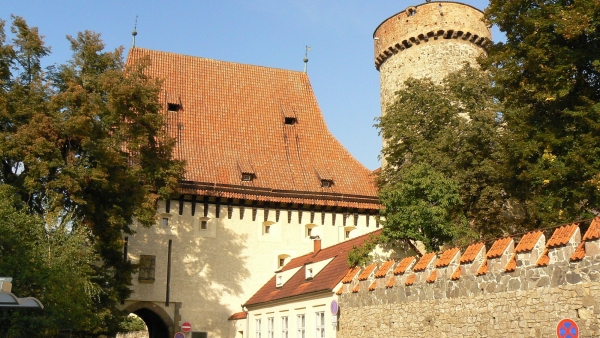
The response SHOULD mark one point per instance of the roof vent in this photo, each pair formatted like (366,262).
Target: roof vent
(326,183)
(291,120)
(174,107)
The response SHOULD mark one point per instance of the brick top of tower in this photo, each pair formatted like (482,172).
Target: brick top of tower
(429,21)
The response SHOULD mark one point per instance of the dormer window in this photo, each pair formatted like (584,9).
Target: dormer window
(326,183)
(247,177)
(291,120)
(173,107)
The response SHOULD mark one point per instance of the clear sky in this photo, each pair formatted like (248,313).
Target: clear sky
(260,32)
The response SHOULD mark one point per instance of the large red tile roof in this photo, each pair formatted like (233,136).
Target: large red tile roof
(499,247)
(231,121)
(593,232)
(528,241)
(325,280)
(562,235)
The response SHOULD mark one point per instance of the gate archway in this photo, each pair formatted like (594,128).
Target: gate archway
(159,323)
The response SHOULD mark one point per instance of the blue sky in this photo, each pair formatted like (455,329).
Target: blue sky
(260,32)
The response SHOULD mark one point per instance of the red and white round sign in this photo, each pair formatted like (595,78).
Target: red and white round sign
(186,327)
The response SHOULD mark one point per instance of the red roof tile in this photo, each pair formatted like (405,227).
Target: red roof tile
(432,277)
(373,286)
(447,257)
(410,280)
(403,265)
(350,275)
(424,261)
(483,268)
(499,247)
(383,269)
(456,274)
(238,315)
(367,272)
(327,279)
(356,288)
(340,291)
(579,253)
(544,259)
(232,119)
(528,241)
(593,232)
(562,235)
(471,253)
(390,283)
(512,264)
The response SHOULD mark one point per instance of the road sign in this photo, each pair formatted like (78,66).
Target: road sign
(567,328)
(186,327)
(179,335)
(334,307)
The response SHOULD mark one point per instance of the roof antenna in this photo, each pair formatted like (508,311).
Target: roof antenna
(306,58)
(134,33)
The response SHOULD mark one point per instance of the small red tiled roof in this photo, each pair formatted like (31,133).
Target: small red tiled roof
(391,282)
(499,247)
(356,288)
(447,257)
(544,259)
(238,315)
(232,119)
(579,253)
(327,279)
(483,268)
(424,261)
(383,269)
(410,280)
(367,272)
(340,291)
(432,277)
(593,232)
(528,241)
(352,272)
(456,273)
(471,253)
(373,286)
(562,235)
(403,265)
(512,264)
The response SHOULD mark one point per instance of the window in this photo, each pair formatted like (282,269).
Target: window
(284,327)
(320,325)
(309,232)
(173,107)
(290,120)
(270,327)
(146,272)
(258,331)
(326,183)
(203,225)
(165,221)
(281,262)
(347,234)
(267,229)
(309,273)
(301,325)
(246,177)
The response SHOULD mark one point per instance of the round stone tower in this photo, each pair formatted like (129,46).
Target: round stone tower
(428,40)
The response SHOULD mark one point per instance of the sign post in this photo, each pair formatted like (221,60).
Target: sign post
(567,328)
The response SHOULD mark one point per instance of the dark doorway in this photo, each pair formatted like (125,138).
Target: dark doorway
(156,326)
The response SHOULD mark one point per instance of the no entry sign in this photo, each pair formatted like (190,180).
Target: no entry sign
(567,328)
(186,327)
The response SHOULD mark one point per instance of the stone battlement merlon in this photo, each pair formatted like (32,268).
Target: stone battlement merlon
(429,21)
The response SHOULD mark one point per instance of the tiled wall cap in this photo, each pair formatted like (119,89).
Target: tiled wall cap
(471,253)
(384,268)
(447,257)
(528,241)
(562,235)
(404,265)
(499,247)
(424,261)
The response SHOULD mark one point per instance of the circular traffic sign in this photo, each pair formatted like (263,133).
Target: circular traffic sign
(186,327)
(179,335)
(567,328)
(334,307)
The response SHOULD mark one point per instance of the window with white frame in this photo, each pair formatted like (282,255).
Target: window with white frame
(258,331)
(271,327)
(284,327)
(320,324)
(301,326)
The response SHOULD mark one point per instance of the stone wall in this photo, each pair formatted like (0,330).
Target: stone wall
(521,291)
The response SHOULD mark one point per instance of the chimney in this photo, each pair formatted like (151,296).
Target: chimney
(317,244)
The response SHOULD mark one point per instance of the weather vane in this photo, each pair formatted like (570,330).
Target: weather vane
(134,33)
(306,58)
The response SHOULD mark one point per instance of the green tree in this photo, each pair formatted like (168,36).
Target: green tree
(447,134)
(84,142)
(547,75)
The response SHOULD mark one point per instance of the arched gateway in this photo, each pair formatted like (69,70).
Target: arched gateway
(159,323)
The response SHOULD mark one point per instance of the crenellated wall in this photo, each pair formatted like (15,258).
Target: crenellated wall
(508,290)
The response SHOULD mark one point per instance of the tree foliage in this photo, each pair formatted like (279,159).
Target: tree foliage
(547,75)
(444,160)
(84,143)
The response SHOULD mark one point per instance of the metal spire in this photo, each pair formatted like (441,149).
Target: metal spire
(306,58)
(134,33)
